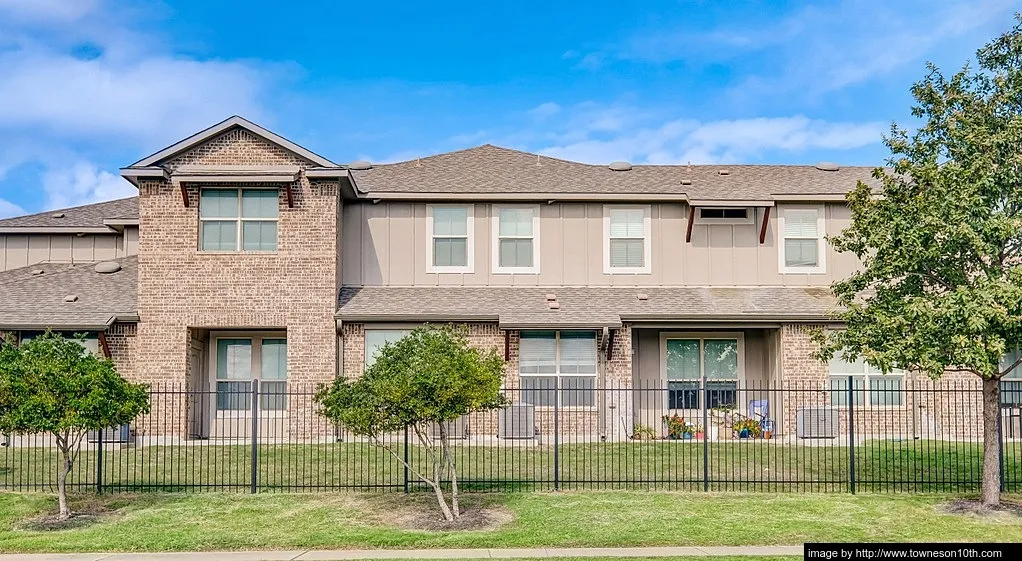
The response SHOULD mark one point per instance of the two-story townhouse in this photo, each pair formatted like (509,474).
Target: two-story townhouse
(261,260)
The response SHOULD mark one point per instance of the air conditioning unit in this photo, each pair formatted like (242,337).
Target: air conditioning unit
(816,422)
(112,435)
(457,428)
(517,421)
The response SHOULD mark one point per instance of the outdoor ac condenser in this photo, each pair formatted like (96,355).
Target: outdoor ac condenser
(112,435)
(816,422)
(517,421)
(458,428)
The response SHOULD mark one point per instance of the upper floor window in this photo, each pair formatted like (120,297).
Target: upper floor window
(724,215)
(802,243)
(516,239)
(626,231)
(238,219)
(450,240)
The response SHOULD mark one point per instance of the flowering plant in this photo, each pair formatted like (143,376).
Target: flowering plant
(678,427)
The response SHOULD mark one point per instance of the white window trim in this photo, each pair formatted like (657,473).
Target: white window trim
(647,245)
(821,242)
(256,338)
(702,337)
(866,375)
(750,216)
(239,246)
(558,374)
(495,242)
(469,244)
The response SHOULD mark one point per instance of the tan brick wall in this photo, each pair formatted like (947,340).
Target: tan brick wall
(120,339)
(181,288)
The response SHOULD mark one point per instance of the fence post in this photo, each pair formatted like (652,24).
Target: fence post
(99,462)
(851,436)
(557,433)
(1000,433)
(255,437)
(406,459)
(705,392)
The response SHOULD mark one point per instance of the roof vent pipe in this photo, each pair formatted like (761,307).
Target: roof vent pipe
(723,172)
(58,215)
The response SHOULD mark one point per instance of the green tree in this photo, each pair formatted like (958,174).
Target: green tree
(54,385)
(939,235)
(428,378)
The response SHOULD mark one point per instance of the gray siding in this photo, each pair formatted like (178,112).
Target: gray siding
(22,250)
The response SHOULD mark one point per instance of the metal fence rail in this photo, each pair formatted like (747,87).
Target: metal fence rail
(918,436)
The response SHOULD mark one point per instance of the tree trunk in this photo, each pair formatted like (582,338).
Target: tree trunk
(442,501)
(991,490)
(65,454)
(448,462)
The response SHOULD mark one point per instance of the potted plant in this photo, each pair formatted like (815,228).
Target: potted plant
(723,418)
(643,432)
(747,428)
(698,430)
(675,426)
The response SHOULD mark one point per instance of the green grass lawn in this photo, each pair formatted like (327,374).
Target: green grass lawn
(214,521)
(912,465)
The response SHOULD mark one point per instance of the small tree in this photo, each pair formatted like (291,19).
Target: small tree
(941,247)
(429,377)
(54,385)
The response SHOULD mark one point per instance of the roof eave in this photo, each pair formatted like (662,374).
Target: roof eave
(547,197)
(56,230)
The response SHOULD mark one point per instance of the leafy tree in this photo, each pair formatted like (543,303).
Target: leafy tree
(426,379)
(54,385)
(940,238)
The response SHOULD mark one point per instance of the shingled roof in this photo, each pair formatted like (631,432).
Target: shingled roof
(32,300)
(520,307)
(492,169)
(87,216)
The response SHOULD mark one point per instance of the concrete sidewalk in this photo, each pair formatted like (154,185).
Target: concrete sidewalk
(343,554)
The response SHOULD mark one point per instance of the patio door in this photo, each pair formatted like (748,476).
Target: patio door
(691,362)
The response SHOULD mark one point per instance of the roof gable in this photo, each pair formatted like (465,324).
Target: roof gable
(204,136)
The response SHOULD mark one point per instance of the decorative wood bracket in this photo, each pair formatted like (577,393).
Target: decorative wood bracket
(691,220)
(290,196)
(104,345)
(184,194)
(610,344)
(763,227)
(507,345)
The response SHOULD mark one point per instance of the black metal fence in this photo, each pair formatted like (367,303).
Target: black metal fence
(840,436)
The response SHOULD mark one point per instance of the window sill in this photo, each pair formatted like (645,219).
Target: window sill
(628,271)
(516,271)
(450,270)
(803,271)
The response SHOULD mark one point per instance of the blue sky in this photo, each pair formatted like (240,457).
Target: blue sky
(88,86)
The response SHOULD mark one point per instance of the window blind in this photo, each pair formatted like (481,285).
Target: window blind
(578,353)
(801,223)
(537,353)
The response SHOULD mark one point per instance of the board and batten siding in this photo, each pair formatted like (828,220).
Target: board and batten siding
(22,250)
(387,244)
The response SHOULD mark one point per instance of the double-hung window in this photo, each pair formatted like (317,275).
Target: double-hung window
(869,384)
(239,360)
(238,219)
(516,239)
(375,339)
(626,232)
(548,360)
(802,244)
(450,239)
(1011,384)
(690,362)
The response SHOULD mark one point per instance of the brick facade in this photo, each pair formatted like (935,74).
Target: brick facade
(183,293)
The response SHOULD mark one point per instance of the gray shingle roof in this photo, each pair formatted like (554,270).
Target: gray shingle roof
(88,216)
(582,307)
(30,301)
(492,169)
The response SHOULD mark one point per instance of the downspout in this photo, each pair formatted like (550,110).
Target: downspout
(605,428)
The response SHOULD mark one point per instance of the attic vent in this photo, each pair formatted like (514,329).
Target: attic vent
(723,172)
(642,296)
(550,297)
(57,215)
(107,267)
(71,298)
(827,166)
(554,305)
(620,166)
(37,271)
(686,181)
(360,165)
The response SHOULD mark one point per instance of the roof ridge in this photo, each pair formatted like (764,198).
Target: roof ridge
(67,209)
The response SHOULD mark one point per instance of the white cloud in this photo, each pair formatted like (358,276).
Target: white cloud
(648,139)
(80,83)
(8,209)
(83,183)
(544,110)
